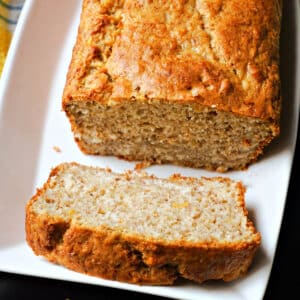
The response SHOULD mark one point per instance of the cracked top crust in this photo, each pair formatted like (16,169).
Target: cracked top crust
(219,53)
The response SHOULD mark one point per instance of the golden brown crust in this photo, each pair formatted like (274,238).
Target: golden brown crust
(213,53)
(114,255)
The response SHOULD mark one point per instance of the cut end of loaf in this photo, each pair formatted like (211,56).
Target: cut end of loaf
(163,227)
(161,132)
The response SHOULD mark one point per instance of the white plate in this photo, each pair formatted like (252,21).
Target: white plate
(32,123)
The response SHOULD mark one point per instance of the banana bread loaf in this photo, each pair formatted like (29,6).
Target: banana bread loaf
(137,228)
(192,83)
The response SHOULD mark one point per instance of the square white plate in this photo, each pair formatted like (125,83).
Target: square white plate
(32,124)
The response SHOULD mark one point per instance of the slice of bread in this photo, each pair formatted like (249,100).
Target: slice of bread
(137,228)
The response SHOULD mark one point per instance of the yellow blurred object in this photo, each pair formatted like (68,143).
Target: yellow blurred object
(5,37)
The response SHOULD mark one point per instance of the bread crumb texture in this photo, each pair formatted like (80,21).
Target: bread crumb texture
(138,228)
(56,149)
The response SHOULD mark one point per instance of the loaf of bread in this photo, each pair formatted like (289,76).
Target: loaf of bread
(193,83)
(137,228)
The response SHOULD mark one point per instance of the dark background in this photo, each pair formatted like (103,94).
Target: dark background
(284,280)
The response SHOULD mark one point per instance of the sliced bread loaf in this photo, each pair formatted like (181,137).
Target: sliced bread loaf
(137,228)
(193,83)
